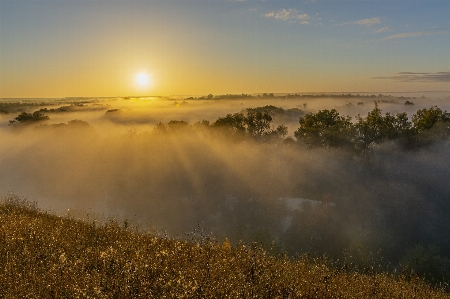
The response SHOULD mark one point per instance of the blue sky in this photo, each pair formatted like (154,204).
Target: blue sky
(95,48)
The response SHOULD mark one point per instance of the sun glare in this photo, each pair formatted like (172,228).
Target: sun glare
(142,79)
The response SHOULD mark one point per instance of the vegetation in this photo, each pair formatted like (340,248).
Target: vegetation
(401,227)
(327,128)
(380,97)
(45,256)
(14,105)
(27,118)
(69,108)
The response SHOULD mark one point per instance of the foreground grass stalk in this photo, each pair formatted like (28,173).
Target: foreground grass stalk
(45,256)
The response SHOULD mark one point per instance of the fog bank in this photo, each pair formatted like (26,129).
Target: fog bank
(195,177)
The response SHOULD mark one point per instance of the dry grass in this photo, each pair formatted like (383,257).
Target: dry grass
(45,256)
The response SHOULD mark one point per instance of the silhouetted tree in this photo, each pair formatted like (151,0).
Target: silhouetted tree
(177,125)
(370,129)
(431,124)
(26,117)
(282,131)
(258,123)
(325,128)
(425,119)
(233,122)
(254,122)
(376,128)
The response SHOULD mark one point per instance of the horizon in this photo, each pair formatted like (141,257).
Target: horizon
(277,94)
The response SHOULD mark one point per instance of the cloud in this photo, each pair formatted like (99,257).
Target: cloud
(289,15)
(418,77)
(367,22)
(384,29)
(412,34)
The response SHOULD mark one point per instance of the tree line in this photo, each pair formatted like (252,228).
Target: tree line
(325,128)
(329,129)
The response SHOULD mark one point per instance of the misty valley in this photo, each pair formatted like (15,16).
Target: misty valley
(361,179)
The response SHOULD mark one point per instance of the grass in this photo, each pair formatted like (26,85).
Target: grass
(46,256)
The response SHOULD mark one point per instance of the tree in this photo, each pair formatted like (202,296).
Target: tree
(370,129)
(176,125)
(376,128)
(258,123)
(431,124)
(425,119)
(233,122)
(281,131)
(254,122)
(28,118)
(325,128)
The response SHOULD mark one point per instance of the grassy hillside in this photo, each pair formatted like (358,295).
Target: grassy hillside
(45,256)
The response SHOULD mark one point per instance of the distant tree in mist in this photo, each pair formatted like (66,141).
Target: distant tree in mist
(431,124)
(268,95)
(78,123)
(325,128)
(255,122)
(72,127)
(114,111)
(177,124)
(26,117)
(258,123)
(376,128)
(425,119)
(281,131)
(173,126)
(202,124)
(233,122)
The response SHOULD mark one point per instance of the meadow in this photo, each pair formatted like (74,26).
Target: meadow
(47,256)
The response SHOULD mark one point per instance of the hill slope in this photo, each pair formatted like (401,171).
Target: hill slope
(45,256)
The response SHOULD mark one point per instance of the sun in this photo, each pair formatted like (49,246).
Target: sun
(142,79)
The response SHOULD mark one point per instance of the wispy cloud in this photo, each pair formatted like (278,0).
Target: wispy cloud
(367,22)
(289,15)
(412,34)
(418,77)
(384,29)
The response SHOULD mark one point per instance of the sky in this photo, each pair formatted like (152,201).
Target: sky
(94,48)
